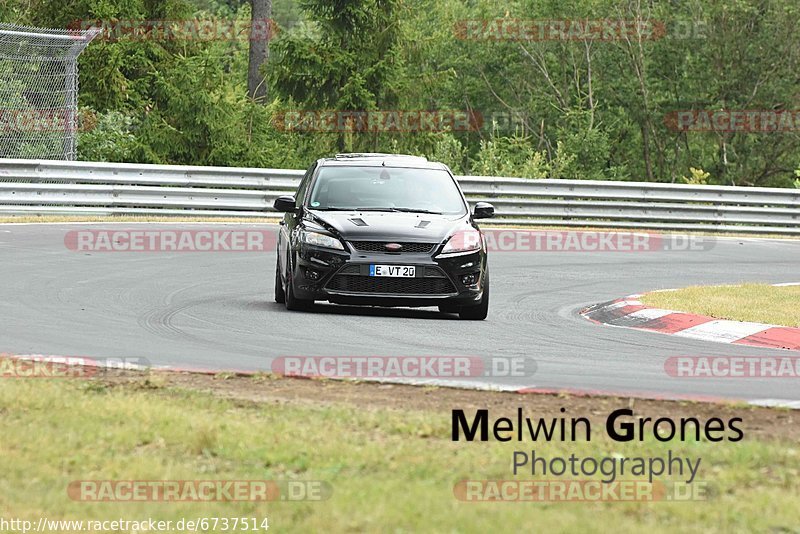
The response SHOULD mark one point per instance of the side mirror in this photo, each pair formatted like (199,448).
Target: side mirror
(285,204)
(483,210)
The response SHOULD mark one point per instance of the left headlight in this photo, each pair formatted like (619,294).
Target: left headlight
(463,241)
(320,240)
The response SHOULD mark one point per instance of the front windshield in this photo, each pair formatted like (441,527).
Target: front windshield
(386,189)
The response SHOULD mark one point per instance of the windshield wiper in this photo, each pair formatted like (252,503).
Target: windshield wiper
(417,210)
(375,209)
(338,208)
(398,210)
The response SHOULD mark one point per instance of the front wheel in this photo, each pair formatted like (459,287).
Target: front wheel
(291,302)
(479,312)
(280,296)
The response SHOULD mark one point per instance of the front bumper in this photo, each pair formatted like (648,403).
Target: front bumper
(343,277)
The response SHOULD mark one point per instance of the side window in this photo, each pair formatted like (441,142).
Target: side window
(301,191)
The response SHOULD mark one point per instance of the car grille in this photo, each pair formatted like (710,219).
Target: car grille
(380,246)
(434,283)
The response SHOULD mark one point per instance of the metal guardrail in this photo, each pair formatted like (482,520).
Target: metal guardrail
(88,188)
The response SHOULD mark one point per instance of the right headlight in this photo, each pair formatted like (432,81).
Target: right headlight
(320,240)
(463,241)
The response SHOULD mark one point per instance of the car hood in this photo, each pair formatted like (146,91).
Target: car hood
(374,225)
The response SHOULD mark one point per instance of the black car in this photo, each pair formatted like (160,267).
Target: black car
(382,230)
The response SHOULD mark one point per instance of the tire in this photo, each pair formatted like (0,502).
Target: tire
(280,296)
(479,312)
(291,302)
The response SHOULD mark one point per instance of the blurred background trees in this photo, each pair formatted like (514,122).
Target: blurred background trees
(560,108)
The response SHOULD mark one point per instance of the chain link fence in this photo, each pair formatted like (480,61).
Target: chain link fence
(39,91)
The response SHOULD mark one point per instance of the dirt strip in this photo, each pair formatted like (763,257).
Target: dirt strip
(757,422)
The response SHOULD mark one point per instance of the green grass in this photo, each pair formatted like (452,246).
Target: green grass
(760,303)
(390,470)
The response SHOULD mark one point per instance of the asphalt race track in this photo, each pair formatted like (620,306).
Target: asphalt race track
(216,310)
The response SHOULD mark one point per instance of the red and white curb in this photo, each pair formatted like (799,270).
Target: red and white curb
(629,312)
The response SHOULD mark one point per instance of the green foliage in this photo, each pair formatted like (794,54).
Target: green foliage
(510,156)
(696,177)
(108,137)
(448,150)
(350,60)
(592,110)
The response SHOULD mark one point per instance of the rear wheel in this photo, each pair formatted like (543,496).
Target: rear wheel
(479,312)
(280,296)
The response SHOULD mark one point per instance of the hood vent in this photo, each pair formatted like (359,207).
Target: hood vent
(423,224)
(358,222)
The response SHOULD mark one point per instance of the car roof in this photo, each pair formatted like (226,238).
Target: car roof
(380,160)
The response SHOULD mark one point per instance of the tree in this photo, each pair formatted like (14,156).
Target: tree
(261,32)
(351,61)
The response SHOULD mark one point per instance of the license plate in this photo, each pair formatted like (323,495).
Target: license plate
(401,271)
